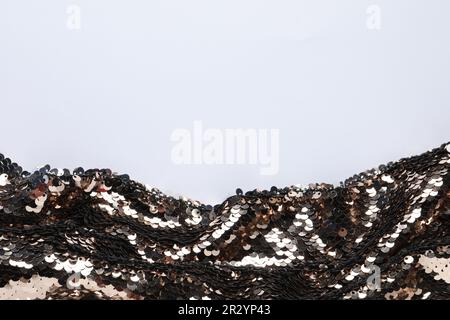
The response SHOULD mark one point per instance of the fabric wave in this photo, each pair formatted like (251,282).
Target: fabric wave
(382,234)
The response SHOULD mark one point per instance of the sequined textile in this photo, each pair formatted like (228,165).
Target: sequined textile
(382,234)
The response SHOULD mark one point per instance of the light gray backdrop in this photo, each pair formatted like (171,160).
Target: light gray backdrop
(345,97)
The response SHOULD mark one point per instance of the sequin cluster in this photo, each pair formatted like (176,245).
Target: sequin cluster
(382,234)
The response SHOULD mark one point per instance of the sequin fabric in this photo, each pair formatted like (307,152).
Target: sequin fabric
(382,234)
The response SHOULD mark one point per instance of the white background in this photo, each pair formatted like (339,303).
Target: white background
(344,97)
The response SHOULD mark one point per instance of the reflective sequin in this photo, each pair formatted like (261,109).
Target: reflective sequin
(382,233)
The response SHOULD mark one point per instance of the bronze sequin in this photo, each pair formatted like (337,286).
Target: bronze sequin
(90,233)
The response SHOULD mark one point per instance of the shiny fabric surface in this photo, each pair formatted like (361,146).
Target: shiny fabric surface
(94,234)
